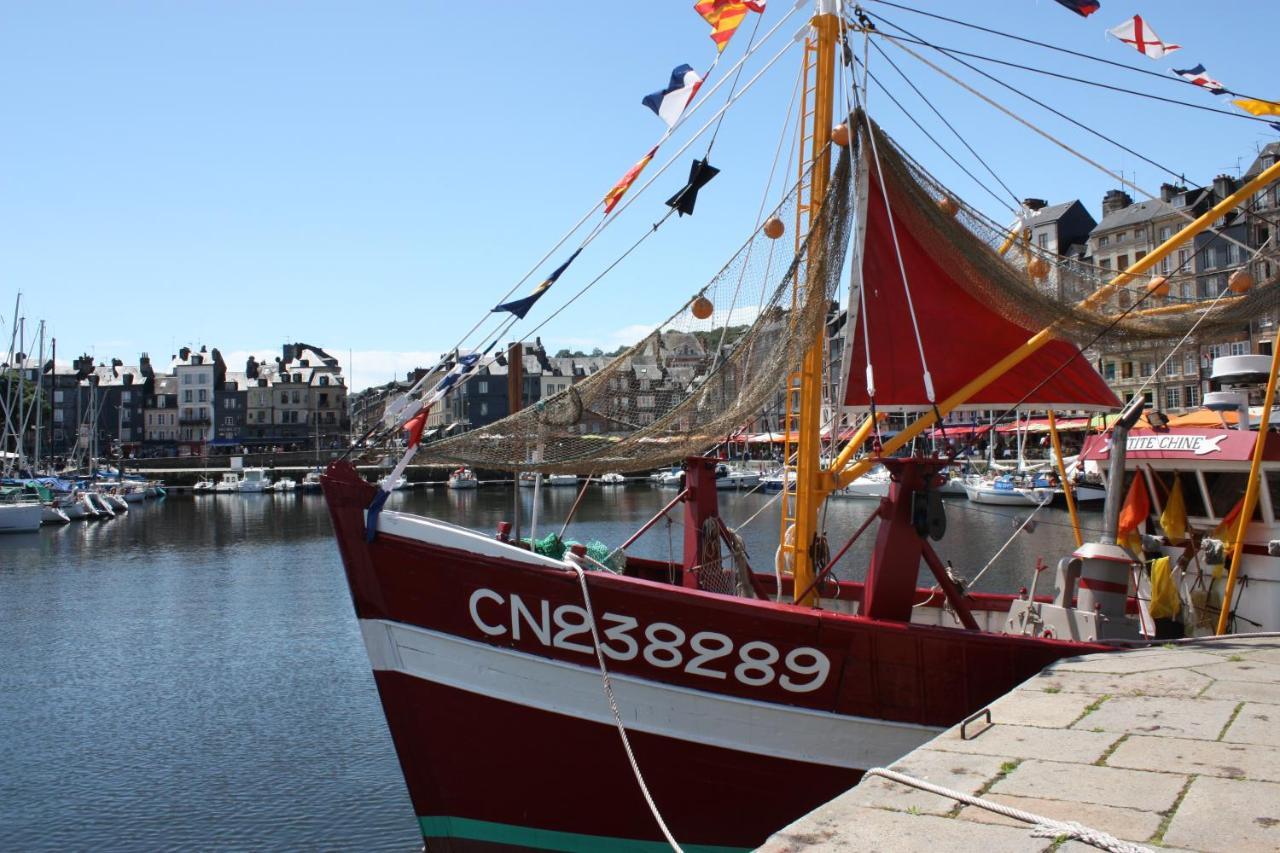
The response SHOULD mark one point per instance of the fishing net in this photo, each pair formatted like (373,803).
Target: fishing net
(598,553)
(970,244)
(693,381)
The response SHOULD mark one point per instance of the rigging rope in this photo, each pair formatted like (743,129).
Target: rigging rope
(902,269)
(1050,137)
(1016,201)
(1199,320)
(1048,46)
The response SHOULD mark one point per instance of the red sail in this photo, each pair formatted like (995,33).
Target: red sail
(962,335)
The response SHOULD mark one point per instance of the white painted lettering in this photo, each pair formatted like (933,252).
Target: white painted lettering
(491,630)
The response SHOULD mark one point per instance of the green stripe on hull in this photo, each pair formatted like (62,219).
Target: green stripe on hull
(549,839)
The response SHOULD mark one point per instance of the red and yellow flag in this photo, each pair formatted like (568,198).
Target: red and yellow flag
(724,16)
(613,196)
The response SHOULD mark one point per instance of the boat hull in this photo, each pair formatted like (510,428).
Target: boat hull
(1008,497)
(744,714)
(20,518)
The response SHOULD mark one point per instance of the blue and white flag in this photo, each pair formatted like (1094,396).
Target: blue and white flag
(461,369)
(669,104)
(1200,77)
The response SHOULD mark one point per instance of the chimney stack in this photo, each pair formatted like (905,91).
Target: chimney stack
(1115,200)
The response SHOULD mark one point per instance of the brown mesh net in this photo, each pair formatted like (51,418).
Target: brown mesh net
(691,382)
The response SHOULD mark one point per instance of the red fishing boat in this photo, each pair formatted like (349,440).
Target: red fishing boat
(578,702)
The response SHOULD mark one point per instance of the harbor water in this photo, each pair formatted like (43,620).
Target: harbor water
(191,674)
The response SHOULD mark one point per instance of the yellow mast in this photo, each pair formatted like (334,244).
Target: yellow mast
(809,487)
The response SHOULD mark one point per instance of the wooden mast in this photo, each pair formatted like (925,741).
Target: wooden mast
(809,484)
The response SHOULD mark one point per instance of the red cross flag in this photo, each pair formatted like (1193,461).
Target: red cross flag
(1138,34)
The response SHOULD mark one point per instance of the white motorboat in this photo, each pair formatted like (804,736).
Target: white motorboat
(463,478)
(872,485)
(774,482)
(730,479)
(665,474)
(402,482)
(672,479)
(287,485)
(311,482)
(613,478)
(561,480)
(1004,491)
(230,482)
(255,480)
(20,515)
(132,492)
(204,486)
(115,501)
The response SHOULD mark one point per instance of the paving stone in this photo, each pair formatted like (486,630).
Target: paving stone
(1269,653)
(1146,660)
(1030,742)
(1037,708)
(1242,670)
(1244,691)
(1169,682)
(1228,816)
(1255,723)
(1169,716)
(1081,847)
(870,830)
(1087,783)
(1207,757)
(1129,824)
(967,773)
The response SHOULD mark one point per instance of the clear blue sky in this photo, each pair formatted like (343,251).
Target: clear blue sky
(373,176)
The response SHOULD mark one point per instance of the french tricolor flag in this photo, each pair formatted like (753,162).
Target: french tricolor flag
(669,104)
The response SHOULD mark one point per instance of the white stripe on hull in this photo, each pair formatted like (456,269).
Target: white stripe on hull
(730,722)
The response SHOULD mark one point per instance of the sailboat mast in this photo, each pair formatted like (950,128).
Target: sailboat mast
(809,488)
(39,400)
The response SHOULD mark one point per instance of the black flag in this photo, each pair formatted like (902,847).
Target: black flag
(700,174)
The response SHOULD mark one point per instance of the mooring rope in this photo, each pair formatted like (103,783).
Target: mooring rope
(1044,827)
(613,707)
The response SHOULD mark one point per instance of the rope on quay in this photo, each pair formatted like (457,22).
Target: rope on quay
(613,706)
(1044,827)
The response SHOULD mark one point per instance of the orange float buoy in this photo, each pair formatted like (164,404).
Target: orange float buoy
(1038,268)
(1241,281)
(702,308)
(948,206)
(840,135)
(773,228)
(1158,286)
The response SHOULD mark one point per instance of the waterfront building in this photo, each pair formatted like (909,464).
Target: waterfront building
(160,417)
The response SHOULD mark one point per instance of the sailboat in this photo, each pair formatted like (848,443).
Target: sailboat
(570,703)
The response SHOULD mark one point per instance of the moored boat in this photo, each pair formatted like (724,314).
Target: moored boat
(462,478)
(20,514)
(765,693)
(1005,490)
